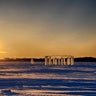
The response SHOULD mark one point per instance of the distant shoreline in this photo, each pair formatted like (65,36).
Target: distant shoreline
(78,59)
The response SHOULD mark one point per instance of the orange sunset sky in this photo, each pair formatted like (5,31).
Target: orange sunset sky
(35,28)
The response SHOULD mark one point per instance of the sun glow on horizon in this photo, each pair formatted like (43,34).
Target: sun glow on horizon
(3,52)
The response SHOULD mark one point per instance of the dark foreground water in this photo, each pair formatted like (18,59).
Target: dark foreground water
(25,79)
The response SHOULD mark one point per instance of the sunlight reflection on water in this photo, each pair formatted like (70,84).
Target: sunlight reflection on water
(24,78)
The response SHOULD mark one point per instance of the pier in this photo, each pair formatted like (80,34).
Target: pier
(59,60)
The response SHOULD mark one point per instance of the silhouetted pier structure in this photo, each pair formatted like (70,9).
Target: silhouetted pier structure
(59,60)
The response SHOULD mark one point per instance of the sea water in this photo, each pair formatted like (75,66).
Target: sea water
(26,79)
